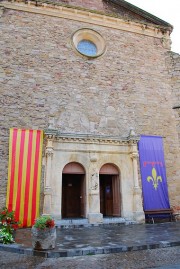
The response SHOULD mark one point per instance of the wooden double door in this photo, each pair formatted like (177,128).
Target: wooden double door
(109,195)
(73,196)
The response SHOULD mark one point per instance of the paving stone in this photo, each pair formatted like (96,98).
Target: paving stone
(102,239)
(166,258)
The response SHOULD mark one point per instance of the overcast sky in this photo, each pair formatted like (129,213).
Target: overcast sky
(168,10)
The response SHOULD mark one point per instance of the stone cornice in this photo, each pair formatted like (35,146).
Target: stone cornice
(141,12)
(90,17)
(90,139)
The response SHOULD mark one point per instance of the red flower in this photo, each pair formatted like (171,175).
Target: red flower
(14,226)
(8,220)
(50,223)
(3,212)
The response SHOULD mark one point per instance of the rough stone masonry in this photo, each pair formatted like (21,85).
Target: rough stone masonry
(45,83)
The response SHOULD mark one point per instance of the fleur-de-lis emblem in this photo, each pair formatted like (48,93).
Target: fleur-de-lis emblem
(154,178)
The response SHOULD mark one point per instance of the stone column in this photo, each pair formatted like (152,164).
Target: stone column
(137,199)
(134,157)
(137,192)
(48,173)
(94,215)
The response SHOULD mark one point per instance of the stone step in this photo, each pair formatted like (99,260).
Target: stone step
(75,223)
(71,222)
(113,220)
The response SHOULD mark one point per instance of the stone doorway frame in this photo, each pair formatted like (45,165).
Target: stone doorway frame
(73,169)
(112,172)
(92,152)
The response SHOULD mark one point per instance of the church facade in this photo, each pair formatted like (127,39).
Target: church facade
(94,75)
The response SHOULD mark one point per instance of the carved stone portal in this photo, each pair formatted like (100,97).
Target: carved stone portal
(92,153)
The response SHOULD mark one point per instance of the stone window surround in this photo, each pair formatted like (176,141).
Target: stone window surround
(91,35)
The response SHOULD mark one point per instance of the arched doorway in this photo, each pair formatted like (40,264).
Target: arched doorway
(73,191)
(109,191)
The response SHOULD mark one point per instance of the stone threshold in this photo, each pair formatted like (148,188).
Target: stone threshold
(77,223)
(85,251)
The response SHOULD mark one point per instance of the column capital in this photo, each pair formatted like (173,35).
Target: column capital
(49,152)
(50,136)
(134,155)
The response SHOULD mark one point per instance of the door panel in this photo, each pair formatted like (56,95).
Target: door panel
(106,195)
(116,196)
(109,195)
(72,197)
(82,197)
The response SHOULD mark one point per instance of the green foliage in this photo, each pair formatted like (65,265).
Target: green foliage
(6,237)
(8,224)
(44,222)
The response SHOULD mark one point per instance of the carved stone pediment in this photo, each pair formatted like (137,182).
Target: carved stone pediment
(57,136)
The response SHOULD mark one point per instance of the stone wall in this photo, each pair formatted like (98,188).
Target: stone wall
(103,6)
(174,65)
(93,4)
(45,83)
(175,61)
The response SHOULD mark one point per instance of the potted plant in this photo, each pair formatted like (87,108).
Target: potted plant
(8,226)
(43,233)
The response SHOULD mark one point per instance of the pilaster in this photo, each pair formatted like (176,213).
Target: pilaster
(138,212)
(49,151)
(94,215)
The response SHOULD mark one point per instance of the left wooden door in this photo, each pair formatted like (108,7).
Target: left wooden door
(71,195)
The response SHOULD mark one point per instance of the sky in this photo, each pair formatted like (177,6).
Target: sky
(167,10)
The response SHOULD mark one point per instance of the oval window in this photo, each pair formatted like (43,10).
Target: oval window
(88,43)
(87,47)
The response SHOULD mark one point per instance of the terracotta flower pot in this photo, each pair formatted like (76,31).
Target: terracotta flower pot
(43,239)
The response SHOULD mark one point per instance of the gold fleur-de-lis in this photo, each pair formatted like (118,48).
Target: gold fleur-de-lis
(154,178)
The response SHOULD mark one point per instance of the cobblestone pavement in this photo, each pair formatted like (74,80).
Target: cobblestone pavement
(164,258)
(160,236)
(108,239)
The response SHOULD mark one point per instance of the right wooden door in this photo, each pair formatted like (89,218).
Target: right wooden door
(109,195)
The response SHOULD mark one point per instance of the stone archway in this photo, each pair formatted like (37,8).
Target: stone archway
(92,152)
(109,182)
(73,191)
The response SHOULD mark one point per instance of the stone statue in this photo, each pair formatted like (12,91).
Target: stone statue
(94,181)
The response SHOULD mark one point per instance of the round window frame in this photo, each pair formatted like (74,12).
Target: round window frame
(92,36)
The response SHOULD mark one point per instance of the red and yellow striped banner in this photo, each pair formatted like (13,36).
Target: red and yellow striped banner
(24,174)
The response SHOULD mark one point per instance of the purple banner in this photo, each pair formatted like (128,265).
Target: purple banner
(153,173)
